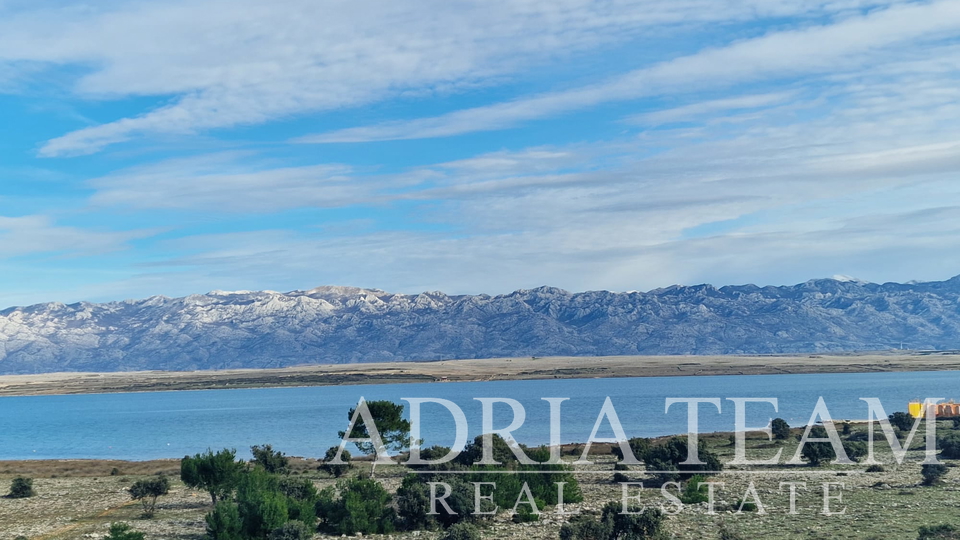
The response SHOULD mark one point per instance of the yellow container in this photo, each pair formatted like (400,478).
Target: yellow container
(915,408)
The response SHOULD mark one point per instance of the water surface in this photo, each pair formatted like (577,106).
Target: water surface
(305,421)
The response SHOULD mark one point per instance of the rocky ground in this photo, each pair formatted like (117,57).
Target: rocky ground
(78,500)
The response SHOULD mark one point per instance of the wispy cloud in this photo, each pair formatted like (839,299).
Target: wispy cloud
(224,64)
(848,44)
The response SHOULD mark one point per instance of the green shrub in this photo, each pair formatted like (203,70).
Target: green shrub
(875,468)
(292,530)
(122,531)
(413,503)
(939,532)
(855,449)
(638,445)
(224,522)
(333,469)
(619,477)
(742,505)
(933,474)
(271,460)
(614,525)
(21,488)
(729,534)
(461,531)
(780,428)
(584,527)
(693,493)
(362,506)
(670,455)
(147,491)
(901,421)
(949,444)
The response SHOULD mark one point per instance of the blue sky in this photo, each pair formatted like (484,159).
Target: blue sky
(174,147)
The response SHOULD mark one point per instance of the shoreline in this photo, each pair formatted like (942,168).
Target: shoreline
(471,370)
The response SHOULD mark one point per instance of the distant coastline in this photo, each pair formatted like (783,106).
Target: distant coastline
(476,370)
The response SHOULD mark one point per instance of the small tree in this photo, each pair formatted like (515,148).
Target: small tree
(780,428)
(271,460)
(333,469)
(21,488)
(933,473)
(388,418)
(122,531)
(147,492)
(217,474)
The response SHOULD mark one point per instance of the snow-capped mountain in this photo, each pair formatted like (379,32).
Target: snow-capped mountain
(344,324)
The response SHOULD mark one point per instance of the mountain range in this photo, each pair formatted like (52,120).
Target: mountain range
(246,329)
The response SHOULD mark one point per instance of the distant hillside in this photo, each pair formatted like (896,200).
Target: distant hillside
(343,324)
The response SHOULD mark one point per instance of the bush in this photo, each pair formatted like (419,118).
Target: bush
(742,505)
(461,531)
(363,506)
(21,488)
(692,492)
(619,477)
(217,474)
(855,449)
(729,534)
(949,444)
(271,460)
(638,445)
(583,527)
(670,455)
(939,532)
(224,522)
(413,503)
(933,474)
(780,428)
(122,531)
(875,468)
(614,525)
(332,469)
(147,492)
(292,530)
(901,421)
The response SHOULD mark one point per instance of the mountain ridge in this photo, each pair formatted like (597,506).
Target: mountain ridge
(338,324)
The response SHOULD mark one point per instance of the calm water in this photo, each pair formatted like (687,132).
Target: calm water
(305,421)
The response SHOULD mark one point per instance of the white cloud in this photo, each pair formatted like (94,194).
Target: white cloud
(225,63)
(36,234)
(838,47)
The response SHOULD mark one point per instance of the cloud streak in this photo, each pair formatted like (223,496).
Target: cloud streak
(843,45)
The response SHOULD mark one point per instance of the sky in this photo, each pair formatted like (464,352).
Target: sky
(178,147)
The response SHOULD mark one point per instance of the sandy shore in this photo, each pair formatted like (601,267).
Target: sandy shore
(474,370)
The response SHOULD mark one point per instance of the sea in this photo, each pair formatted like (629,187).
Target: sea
(305,421)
